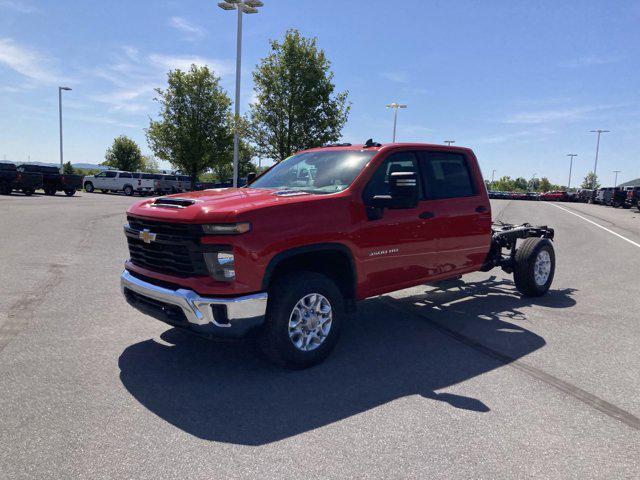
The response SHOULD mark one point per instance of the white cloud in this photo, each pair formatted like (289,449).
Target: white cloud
(191,32)
(397,77)
(28,62)
(17,6)
(590,61)
(564,114)
(184,62)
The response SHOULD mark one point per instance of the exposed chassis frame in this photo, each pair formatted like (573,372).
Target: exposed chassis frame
(505,237)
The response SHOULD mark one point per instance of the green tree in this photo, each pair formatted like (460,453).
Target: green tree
(296,105)
(124,154)
(149,164)
(545,185)
(590,181)
(193,131)
(504,184)
(521,183)
(68,169)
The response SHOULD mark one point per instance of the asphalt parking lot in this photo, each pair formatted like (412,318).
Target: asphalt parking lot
(471,381)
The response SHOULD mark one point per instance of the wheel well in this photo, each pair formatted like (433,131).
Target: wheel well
(333,263)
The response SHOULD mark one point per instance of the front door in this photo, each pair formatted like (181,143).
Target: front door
(399,248)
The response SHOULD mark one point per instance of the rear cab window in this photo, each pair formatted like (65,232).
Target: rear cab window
(445,175)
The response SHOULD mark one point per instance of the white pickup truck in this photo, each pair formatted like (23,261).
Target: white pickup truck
(117,181)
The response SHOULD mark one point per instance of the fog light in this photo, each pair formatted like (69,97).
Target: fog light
(221,265)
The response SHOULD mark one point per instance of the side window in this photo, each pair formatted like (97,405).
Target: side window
(125,175)
(101,175)
(136,175)
(397,162)
(110,174)
(445,175)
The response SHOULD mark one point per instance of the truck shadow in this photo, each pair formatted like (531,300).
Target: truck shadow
(224,392)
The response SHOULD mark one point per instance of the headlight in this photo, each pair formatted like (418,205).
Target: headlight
(226,228)
(221,265)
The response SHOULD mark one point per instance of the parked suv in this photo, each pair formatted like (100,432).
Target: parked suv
(633,195)
(110,181)
(144,183)
(285,257)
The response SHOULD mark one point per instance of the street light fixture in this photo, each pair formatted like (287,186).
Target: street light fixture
(615,182)
(449,142)
(595,166)
(395,107)
(570,155)
(60,89)
(248,7)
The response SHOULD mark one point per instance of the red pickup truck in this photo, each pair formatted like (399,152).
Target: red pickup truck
(289,255)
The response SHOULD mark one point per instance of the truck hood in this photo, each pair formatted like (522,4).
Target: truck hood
(222,204)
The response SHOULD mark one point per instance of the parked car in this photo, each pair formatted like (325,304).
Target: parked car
(167,184)
(144,183)
(586,195)
(555,196)
(618,197)
(603,196)
(111,181)
(532,196)
(633,195)
(8,176)
(234,262)
(184,183)
(52,180)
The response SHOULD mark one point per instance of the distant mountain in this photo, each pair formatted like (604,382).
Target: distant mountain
(631,183)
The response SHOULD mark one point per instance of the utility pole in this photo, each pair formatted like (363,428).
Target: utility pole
(570,155)
(615,182)
(395,107)
(595,166)
(242,6)
(60,89)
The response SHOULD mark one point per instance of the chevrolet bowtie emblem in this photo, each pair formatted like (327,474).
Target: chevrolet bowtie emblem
(146,236)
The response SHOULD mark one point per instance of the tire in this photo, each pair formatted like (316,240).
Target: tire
(88,187)
(70,193)
(284,299)
(128,190)
(49,191)
(535,265)
(28,191)
(104,191)
(5,190)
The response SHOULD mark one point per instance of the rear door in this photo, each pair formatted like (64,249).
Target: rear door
(456,200)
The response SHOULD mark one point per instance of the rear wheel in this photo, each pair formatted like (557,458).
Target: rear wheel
(128,190)
(27,191)
(88,187)
(104,191)
(49,191)
(70,192)
(5,190)
(535,264)
(303,320)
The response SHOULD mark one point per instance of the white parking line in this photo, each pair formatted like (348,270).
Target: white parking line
(596,224)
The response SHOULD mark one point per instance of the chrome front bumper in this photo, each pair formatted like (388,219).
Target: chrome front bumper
(216,316)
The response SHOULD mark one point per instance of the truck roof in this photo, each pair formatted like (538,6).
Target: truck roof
(385,146)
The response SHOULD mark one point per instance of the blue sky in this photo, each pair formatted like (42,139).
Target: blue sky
(521,83)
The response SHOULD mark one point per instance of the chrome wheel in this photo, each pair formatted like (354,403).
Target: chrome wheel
(542,268)
(310,322)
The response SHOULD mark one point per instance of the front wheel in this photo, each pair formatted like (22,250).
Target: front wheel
(49,191)
(535,265)
(88,187)
(303,320)
(27,191)
(70,192)
(128,191)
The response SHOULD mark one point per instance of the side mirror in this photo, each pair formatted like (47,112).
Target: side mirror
(251,176)
(403,188)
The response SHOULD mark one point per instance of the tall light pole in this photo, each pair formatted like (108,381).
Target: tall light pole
(615,182)
(60,89)
(570,155)
(242,6)
(395,107)
(449,142)
(493,173)
(595,166)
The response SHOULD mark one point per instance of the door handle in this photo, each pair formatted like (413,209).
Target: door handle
(427,215)
(481,209)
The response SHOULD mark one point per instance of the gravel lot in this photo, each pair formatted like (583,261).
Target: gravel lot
(470,381)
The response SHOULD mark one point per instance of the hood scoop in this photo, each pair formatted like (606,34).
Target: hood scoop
(289,193)
(173,202)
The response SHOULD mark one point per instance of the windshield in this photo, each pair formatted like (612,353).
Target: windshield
(316,172)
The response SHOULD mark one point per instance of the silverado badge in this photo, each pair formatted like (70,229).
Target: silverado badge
(146,236)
